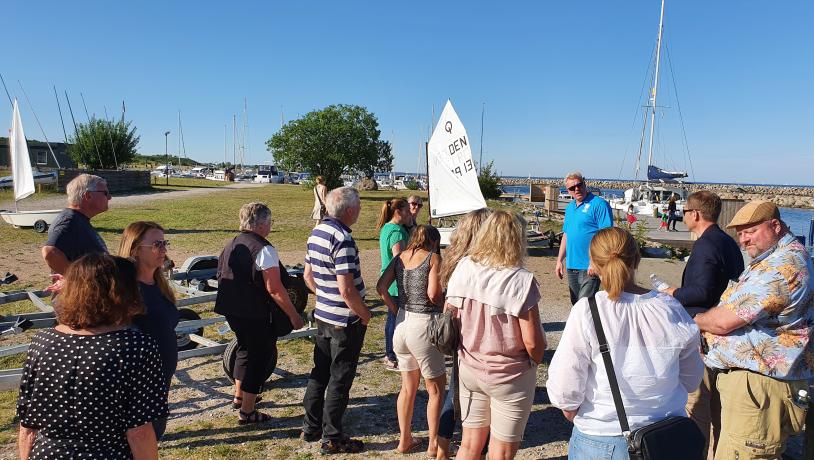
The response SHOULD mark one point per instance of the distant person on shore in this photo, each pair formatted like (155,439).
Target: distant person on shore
(333,272)
(631,217)
(715,261)
(653,343)
(320,192)
(250,286)
(71,235)
(760,338)
(502,339)
(144,243)
(663,218)
(415,271)
(416,203)
(672,213)
(392,239)
(585,215)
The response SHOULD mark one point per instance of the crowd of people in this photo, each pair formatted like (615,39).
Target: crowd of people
(730,347)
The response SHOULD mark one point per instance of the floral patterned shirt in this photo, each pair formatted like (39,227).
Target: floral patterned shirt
(775,297)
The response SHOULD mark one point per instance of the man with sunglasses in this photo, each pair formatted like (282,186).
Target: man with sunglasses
(71,235)
(760,338)
(585,215)
(715,261)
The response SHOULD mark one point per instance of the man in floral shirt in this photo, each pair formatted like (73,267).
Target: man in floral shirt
(759,338)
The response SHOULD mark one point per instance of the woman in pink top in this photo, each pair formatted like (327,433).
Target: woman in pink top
(502,340)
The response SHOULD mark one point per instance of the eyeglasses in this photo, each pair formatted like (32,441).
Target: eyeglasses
(576,186)
(105,192)
(157,245)
(690,210)
(417,205)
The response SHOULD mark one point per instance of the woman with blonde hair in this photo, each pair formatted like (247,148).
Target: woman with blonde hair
(502,340)
(395,213)
(144,243)
(654,347)
(320,192)
(415,271)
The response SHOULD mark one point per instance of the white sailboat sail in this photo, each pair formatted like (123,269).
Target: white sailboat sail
(453,180)
(20,162)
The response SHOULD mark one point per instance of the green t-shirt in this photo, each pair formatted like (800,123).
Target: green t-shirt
(388,237)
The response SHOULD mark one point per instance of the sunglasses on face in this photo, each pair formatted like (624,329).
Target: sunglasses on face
(576,186)
(417,205)
(157,245)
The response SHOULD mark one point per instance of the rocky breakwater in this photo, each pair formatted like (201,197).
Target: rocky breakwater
(785,196)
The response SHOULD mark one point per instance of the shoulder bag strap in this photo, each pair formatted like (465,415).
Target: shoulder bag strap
(316,192)
(606,358)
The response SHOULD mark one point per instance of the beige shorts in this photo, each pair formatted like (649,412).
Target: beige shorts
(412,345)
(503,407)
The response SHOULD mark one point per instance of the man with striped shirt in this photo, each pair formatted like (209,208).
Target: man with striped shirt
(332,271)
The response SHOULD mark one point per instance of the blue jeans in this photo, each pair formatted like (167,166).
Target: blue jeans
(583,446)
(580,284)
(389,330)
(446,424)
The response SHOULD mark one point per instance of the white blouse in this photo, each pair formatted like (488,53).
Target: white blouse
(654,347)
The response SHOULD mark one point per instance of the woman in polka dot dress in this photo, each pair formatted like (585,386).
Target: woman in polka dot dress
(91,387)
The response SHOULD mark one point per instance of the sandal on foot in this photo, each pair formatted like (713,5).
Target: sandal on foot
(342,446)
(237,402)
(253,417)
(414,445)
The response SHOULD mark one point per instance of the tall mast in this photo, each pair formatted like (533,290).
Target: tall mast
(654,91)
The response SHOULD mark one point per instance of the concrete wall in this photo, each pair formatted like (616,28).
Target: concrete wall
(117,181)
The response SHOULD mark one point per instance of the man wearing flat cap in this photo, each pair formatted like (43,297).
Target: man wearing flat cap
(759,338)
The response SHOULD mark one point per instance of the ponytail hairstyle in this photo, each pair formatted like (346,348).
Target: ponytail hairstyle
(615,254)
(388,209)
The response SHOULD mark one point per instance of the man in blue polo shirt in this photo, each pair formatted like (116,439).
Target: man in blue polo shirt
(585,215)
(332,271)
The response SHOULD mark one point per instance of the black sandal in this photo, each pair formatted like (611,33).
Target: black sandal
(342,446)
(253,417)
(237,402)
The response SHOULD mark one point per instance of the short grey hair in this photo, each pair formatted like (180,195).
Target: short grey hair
(340,200)
(574,175)
(415,198)
(80,185)
(253,215)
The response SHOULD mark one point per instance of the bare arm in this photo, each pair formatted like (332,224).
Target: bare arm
(55,259)
(25,441)
(383,285)
(142,442)
(561,257)
(278,292)
(434,291)
(719,321)
(397,248)
(349,293)
(532,333)
(308,277)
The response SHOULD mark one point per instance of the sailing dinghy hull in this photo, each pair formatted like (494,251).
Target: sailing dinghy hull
(39,220)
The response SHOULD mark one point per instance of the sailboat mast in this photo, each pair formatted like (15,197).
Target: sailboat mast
(654,91)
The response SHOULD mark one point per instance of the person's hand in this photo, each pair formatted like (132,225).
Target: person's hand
(591,271)
(57,283)
(670,290)
(560,270)
(569,414)
(365,319)
(296,321)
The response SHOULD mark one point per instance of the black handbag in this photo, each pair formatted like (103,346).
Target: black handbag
(280,322)
(674,438)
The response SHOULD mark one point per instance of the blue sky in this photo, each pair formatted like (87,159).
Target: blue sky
(561,80)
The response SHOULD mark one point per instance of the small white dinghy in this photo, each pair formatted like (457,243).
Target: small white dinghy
(24,181)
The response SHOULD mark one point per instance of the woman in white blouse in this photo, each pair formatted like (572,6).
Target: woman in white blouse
(654,347)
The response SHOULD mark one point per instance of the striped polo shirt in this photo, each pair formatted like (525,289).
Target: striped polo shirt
(331,252)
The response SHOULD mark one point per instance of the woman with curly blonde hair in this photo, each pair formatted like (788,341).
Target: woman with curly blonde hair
(502,340)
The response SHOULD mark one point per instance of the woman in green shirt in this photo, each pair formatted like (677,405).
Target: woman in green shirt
(392,240)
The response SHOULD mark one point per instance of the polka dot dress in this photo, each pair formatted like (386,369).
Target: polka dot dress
(83,392)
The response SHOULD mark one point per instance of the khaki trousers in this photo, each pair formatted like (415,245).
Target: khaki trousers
(758,415)
(704,408)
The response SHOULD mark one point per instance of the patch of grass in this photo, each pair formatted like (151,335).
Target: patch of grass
(8,411)
(184,183)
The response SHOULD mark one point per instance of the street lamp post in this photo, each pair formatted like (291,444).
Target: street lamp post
(166,158)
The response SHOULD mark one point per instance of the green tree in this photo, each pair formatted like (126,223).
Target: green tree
(103,144)
(330,142)
(489,181)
